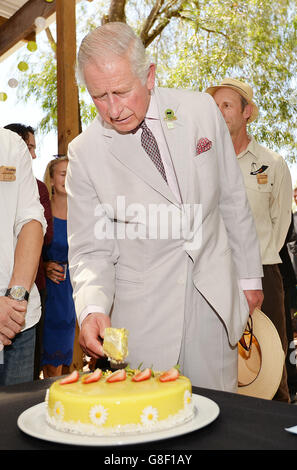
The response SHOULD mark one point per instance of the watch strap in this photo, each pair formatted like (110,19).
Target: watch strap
(26,294)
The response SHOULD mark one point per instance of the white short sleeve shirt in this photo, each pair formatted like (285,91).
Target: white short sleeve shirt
(19,203)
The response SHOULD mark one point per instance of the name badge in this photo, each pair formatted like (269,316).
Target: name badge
(7,173)
(262,179)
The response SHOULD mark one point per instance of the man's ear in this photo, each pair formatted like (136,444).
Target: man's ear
(247,112)
(151,77)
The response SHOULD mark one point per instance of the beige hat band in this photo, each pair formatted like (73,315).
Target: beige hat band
(238,87)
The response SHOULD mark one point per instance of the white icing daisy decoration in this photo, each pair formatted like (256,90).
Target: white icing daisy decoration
(187,398)
(58,410)
(149,416)
(98,415)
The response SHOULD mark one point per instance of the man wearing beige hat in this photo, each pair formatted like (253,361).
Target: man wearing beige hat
(269,190)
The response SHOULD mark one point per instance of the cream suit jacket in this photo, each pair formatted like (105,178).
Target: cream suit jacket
(141,279)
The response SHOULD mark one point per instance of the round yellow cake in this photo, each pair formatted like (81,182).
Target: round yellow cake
(103,408)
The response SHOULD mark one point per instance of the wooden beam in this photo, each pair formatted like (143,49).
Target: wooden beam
(68,107)
(2,20)
(21,24)
(30,37)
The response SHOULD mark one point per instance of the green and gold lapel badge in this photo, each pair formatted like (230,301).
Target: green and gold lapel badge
(169,118)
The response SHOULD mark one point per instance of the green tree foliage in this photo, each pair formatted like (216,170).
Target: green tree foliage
(196,44)
(252,40)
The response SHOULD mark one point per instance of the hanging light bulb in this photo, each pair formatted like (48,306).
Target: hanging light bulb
(40,22)
(32,46)
(13,83)
(23,66)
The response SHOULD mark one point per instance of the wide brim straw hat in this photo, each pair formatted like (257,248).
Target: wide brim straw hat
(260,369)
(240,87)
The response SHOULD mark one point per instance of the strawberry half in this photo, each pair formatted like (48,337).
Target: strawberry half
(71,378)
(143,375)
(169,375)
(117,376)
(94,377)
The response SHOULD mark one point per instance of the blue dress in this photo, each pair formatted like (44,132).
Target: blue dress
(60,318)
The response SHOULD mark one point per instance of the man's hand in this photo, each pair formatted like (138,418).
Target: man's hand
(254,298)
(12,318)
(92,329)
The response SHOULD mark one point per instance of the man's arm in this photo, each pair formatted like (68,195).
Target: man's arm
(26,260)
(281,205)
(46,203)
(27,254)
(238,219)
(29,228)
(91,259)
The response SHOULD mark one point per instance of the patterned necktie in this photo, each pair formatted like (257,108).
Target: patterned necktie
(150,145)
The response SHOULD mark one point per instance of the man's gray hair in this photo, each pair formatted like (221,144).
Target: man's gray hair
(113,39)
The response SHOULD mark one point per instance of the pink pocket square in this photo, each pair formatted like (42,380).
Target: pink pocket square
(203,145)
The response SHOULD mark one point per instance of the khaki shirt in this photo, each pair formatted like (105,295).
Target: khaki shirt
(269,192)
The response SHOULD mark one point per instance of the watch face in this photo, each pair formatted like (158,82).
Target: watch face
(18,292)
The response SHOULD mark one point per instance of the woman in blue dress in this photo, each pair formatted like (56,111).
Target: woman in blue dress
(60,318)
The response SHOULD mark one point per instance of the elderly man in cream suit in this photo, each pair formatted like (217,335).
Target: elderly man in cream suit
(166,249)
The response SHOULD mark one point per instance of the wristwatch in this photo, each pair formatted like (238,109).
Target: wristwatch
(17,293)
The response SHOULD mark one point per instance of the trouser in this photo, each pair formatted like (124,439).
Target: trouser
(291,352)
(39,336)
(17,364)
(274,307)
(206,356)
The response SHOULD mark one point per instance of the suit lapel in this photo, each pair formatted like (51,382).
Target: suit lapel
(174,132)
(128,150)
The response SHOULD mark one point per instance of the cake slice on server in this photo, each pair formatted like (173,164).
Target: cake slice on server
(115,344)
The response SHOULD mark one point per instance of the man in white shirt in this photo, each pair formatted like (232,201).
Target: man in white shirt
(172,281)
(269,190)
(21,236)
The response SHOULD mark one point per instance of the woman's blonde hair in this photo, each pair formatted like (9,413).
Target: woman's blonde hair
(49,172)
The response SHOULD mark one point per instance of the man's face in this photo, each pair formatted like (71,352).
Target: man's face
(295,196)
(31,144)
(230,106)
(118,94)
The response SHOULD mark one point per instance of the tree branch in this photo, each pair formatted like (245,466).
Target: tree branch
(208,30)
(51,39)
(150,20)
(117,11)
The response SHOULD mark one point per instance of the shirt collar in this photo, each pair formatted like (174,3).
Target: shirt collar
(251,148)
(152,112)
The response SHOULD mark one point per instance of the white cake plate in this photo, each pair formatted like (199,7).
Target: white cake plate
(33,422)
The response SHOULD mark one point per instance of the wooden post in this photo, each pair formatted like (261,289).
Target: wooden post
(68,107)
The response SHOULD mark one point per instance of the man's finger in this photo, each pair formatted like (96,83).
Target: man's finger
(4,341)
(18,317)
